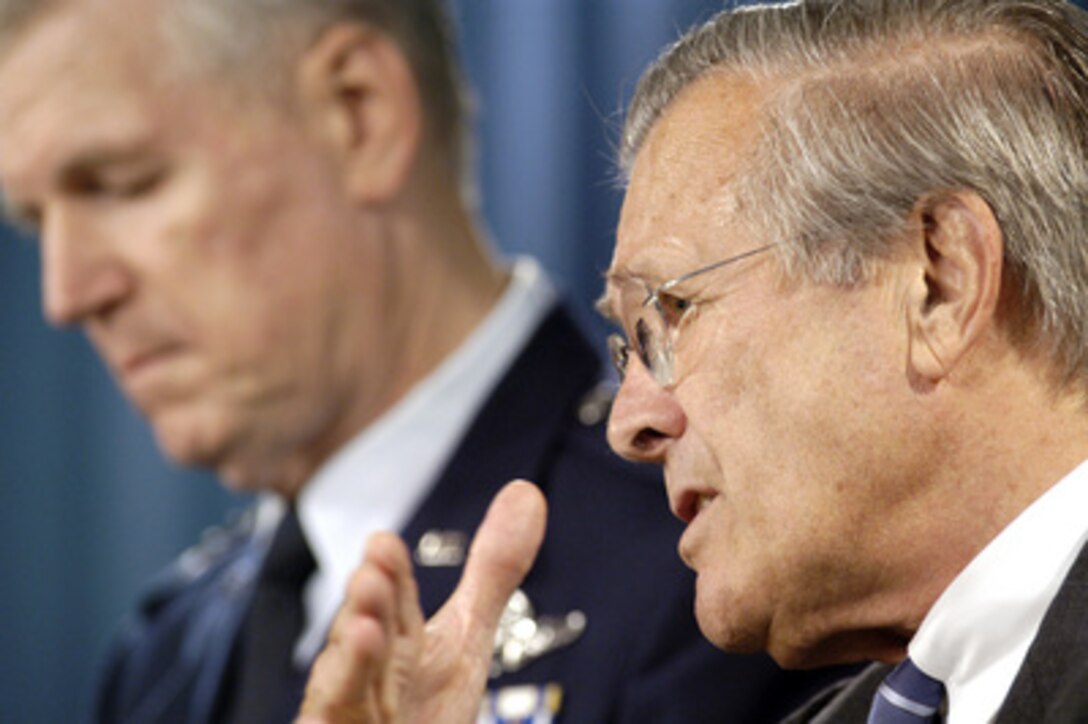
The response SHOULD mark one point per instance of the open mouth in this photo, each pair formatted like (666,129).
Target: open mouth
(691,503)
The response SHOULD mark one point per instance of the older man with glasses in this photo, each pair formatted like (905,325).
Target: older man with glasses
(875,431)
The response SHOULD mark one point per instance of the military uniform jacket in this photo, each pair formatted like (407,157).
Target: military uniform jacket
(608,591)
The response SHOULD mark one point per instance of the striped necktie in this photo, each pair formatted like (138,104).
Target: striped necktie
(907,696)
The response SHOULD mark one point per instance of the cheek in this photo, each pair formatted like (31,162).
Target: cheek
(727,398)
(270,337)
(774,398)
(771,436)
(255,254)
(258,319)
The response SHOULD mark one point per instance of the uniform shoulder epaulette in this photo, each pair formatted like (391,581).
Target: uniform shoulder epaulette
(217,545)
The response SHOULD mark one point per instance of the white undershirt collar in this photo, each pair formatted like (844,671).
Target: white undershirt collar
(977,634)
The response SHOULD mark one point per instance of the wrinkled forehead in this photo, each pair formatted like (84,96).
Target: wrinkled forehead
(67,46)
(680,209)
(72,79)
(108,19)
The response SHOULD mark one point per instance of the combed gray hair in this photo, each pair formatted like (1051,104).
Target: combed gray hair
(876,106)
(254,44)
(255,36)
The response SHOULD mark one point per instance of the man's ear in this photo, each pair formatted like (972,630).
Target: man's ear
(954,298)
(359,89)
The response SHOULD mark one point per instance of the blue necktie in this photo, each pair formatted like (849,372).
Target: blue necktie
(907,696)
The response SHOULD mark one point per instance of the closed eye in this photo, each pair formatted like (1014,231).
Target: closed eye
(125,184)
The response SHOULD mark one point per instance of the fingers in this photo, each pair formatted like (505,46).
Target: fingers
(354,678)
(459,639)
(383,665)
(503,550)
(407,617)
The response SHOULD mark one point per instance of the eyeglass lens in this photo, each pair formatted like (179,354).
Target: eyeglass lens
(649,343)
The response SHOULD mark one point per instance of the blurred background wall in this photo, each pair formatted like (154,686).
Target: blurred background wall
(89,510)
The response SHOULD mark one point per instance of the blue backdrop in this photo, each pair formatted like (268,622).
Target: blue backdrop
(89,509)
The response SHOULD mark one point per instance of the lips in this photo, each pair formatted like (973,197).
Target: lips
(134,363)
(688,506)
(688,503)
(139,351)
(136,369)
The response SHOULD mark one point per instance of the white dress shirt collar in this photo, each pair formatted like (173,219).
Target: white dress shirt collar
(378,479)
(977,634)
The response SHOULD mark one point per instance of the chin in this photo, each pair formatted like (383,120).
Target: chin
(730,638)
(244,462)
(727,625)
(233,473)
(240,478)
(190,441)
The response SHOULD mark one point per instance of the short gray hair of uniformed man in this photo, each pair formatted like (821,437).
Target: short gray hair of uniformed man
(254,43)
(873,106)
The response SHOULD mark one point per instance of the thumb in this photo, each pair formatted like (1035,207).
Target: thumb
(503,550)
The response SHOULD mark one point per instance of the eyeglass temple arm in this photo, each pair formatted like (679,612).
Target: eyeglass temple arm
(716,265)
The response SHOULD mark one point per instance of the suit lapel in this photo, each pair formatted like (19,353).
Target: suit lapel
(1044,682)
(844,702)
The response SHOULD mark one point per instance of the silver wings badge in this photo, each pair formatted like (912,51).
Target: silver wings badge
(523,637)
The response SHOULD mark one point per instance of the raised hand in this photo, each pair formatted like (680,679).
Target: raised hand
(384,664)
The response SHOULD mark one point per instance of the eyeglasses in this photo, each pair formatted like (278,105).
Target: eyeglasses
(654,331)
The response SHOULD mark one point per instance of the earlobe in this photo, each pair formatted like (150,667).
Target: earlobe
(359,89)
(953,300)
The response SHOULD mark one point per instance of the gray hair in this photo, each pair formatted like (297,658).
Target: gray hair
(256,35)
(876,106)
(253,44)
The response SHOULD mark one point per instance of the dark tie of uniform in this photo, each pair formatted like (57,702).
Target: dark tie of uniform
(907,696)
(265,685)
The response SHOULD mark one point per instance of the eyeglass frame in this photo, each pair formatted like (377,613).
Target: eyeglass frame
(619,348)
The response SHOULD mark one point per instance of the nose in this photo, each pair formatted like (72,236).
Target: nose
(82,276)
(645,418)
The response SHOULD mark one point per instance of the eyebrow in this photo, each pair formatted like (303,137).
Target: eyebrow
(603,307)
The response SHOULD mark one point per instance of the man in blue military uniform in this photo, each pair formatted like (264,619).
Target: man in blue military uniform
(255,212)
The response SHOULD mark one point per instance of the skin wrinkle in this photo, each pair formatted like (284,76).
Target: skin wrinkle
(653,268)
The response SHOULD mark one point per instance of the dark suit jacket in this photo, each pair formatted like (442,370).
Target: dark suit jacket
(1050,688)
(609,553)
